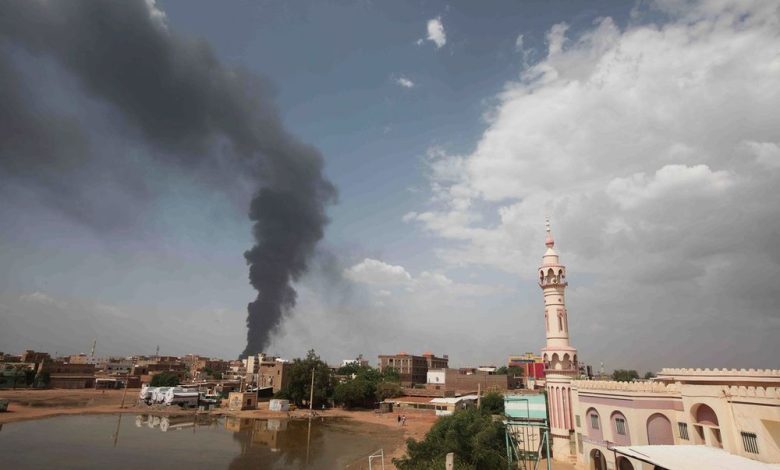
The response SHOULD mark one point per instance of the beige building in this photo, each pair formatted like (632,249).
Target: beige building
(737,411)
(267,371)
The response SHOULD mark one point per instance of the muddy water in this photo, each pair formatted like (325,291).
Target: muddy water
(179,443)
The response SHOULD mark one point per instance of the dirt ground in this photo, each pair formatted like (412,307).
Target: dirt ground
(37,404)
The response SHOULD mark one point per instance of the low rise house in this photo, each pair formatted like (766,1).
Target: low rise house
(65,375)
(412,369)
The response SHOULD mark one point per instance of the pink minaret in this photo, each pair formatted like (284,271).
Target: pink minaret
(560,358)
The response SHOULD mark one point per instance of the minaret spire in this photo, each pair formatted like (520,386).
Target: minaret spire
(549,240)
(560,358)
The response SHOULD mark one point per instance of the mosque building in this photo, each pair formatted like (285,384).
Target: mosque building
(684,418)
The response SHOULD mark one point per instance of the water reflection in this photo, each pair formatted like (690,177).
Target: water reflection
(190,441)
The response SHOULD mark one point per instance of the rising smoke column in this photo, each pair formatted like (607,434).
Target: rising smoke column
(174,93)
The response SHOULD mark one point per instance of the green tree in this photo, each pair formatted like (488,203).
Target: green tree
(299,386)
(385,390)
(492,403)
(623,375)
(649,375)
(476,439)
(512,371)
(358,392)
(165,379)
(391,374)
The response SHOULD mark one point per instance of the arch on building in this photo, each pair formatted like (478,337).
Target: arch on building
(705,415)
(597,460)
(593,425)
(659,430)
(706,425)
(623,463)
(620,432)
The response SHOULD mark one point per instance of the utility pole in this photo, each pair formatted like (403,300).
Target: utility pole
(479,395)
(311,393)
(94,343)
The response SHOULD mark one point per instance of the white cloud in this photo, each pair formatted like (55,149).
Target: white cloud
(649,147)
(404,82)
(38,298)
(436,32)
(766,153)
(519,43)
(372,271)
(157,16)
(669,181)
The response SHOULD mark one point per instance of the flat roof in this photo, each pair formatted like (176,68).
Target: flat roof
(453,400)
(691,457)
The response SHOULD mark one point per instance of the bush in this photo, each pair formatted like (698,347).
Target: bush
(477,441)
(165,379)
(492,403)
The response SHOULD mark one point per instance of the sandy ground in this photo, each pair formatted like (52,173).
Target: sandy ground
(37,404)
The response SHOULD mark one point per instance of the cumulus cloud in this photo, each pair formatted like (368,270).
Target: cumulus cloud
(649,147)
(404,82)
(372,271)
(436,32)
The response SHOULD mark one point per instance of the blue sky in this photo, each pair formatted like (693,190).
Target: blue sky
(645,130)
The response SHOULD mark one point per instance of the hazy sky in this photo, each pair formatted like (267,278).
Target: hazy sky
(648,132)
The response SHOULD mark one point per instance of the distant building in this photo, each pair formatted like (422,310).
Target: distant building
(78,359)
(413,369)
(532,366)
(35,356)
(66,375)
(359,361)
(455,382)
(268,371)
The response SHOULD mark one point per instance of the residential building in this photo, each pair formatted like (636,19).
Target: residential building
(268,371)
(413,369)
(532,366)
(456,382)
(35,356)
(66,375)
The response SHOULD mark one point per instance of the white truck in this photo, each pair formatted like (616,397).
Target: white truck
(182,397)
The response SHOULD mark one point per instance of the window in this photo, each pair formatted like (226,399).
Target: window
(750,442)
(594,421)
(577,419)
(579,441)
(683,427)
(620,426)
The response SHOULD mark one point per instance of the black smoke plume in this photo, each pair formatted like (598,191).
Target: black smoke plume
(173,92)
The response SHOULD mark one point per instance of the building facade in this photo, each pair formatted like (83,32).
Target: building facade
(413,369)
(737,411)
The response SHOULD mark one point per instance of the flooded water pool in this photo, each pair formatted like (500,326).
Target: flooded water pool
(184,442)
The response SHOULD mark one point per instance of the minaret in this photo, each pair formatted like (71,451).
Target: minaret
(560,358)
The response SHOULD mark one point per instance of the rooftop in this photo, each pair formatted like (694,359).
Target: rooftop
(691,457)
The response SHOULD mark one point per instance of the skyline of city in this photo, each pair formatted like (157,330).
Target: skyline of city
(647,132)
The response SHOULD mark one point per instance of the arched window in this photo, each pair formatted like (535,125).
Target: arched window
(659,430)
(620,433)
(593,422)
(706,426)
